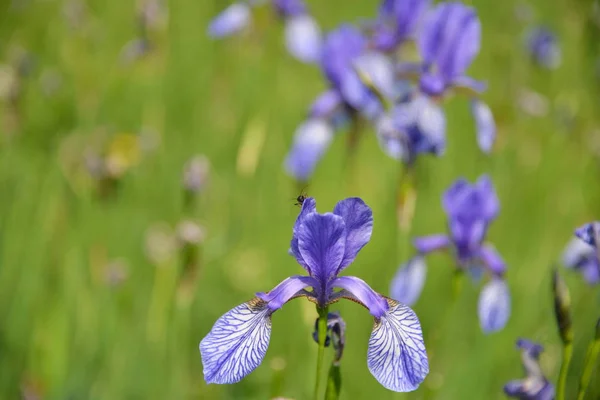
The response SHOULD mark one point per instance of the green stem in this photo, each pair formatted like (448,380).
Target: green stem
(564,369)
(322,335)
(334,382)
(590,359)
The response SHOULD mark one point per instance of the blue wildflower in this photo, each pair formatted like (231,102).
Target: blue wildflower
(414,126)
(397,22)
(448,42)
(302,33)
(324,245)
(534,386)
(470,210)
(580,254)
(589,233)
(542,45)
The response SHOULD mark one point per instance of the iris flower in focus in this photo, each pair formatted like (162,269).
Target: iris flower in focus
(470,209)
(534,386)
(324,245)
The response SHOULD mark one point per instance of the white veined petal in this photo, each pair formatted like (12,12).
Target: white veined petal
(237,343)
(397,357)
(303,38)
(494,306)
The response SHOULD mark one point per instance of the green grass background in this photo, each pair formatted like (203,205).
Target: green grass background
(66,334)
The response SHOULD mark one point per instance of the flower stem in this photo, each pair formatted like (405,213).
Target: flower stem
(321,335)
(564,369)
(334,382)
(590,360)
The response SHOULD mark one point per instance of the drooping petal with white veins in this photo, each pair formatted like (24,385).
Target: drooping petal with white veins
(494,306)
(397,357)
(231,20)
(485,124)
(303,38)
(237,343)
(321,241)
(311,140)
(408,283)
(358,218)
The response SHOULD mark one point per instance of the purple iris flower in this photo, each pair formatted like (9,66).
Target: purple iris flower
(543,47)
(414,126)
(345,54)
(534,386)
(397,22)
(324,245)
(470,210)
(581,254)
(302,33)
(448,42)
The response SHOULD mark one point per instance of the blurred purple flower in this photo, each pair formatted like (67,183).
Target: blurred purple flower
(231,20)
(542,45)
(448,42)
(534,386)
(580,256)
(397,22)
(324,245)
(414,126)
(589,233)
(302,33)
(470,210)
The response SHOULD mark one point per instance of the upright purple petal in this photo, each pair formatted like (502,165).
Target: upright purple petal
(287,289)
(403,15)
(358,218)
(492,260)
(231,20)
(428,244)
(340,48)
(237,343)
(308,206)
(589,233)
(454,196)
(486,127)
(362,292)
(408,283)
(321,241)
(463,43)
(303,38)
(489,200)
(289,8)
(494,306)
(431,36)
(311,140)
(397,357)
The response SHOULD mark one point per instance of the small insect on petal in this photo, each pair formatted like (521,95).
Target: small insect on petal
(237,343)
(397,357)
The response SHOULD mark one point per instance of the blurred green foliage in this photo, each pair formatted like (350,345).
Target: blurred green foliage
(86,314)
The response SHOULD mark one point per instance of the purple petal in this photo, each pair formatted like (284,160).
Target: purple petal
(325,105)
(430,38)
(494,306)
(237,343)
(303,38)
(231,20)
(428,244)
(406,15)
(287,289)
(492,260)
(321,241)
(375,302)
(515,388)
(358,218)
(486,127)
(591,271)
(391,140)
(532,348)
(489,199)
(309,205)
(354,92)
(576,253)
(289,8)
(533,388)
(408,283)
(589,233)
(311,140)
(454,195)
(379,69)
(466,41)
(397,357)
